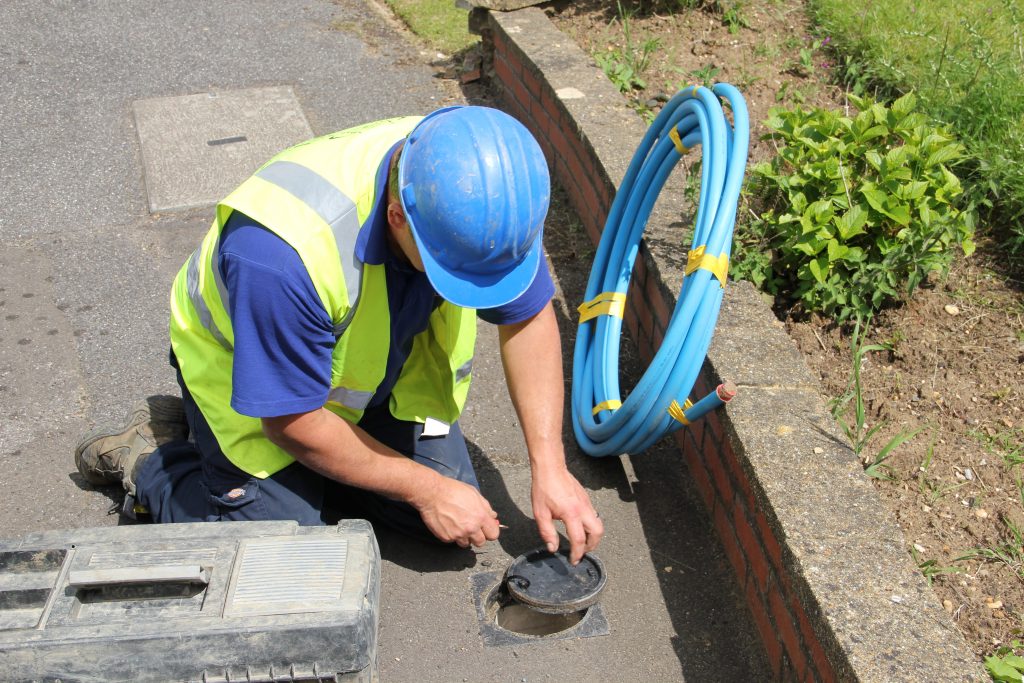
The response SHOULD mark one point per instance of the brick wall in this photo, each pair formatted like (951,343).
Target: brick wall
(805,613)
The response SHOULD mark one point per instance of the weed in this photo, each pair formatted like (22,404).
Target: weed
(1008,444)
(1005,665)
(766,50)
(706,75)
(858,432)
(734,18)
(934,492)
(624,67)
(930,568)
(1010,552)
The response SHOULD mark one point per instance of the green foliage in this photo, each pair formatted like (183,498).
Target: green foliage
(931,568)
(734,19)
(1010,552)
(625,66)
(858,431)
(1005,665)
(965,61)
(855,210)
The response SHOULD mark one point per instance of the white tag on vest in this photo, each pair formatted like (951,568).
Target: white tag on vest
(433,427)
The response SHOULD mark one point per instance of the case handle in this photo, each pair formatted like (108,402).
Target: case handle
(168,573)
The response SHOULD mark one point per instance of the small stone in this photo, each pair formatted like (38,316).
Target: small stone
(952,309)
(783,430)
(968,474)
(919,548)
(668,570)
(485,563)
(896,598)
(981,513)
(948,605)
(994,604)
(926,508)
(818,450)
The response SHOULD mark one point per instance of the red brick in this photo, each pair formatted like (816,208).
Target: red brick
(577,170)
(739,476)
(751,546)
(659,336)
(562,150)
(520,94)
(701,386)
(820,660)
(787,632)
(541,117)
(695,466)
(503,71)
(640,310)
(593,205)
(718,474)
(661,308)
(714,423)
(549,104)
(763,623)
(771,544)
(531,82)
(643,344)
(732,548)
(640,272)
(515,62)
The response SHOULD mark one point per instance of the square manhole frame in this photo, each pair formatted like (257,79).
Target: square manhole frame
(196,148)
(592,624)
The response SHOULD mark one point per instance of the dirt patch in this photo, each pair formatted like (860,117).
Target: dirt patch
(952,365)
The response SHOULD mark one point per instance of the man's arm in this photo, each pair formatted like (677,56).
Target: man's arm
(532,357)
(452,510)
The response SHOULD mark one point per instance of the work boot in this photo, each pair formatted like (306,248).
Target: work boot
(108,455)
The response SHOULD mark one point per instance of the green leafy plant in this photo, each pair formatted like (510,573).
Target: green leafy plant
(1005,665)
(625,66)
(855,210)
(1010,552)
(858,431)
(734,19)
(705,75)
(931,568)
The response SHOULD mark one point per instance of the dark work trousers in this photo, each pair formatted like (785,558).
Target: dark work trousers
(193,481)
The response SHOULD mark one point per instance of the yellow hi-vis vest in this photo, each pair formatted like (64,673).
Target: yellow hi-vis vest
(317,196)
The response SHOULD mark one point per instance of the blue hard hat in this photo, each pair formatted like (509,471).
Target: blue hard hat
(475,190)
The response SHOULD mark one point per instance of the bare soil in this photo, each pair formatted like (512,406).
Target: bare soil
(953,365)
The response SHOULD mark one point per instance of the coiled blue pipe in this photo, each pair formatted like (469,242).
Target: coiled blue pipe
(696,114)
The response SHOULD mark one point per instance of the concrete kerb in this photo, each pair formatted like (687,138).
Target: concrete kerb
(828,581)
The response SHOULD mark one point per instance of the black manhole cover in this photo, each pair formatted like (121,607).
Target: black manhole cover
(547,582)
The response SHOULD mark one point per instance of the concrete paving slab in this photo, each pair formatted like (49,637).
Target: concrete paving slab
(198,148)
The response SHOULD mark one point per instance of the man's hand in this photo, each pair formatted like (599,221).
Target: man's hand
(557,495)
(455,512)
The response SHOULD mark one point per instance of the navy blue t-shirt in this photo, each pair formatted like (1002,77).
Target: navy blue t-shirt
(283,335)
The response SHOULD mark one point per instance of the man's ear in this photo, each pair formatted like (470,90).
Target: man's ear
(396,216)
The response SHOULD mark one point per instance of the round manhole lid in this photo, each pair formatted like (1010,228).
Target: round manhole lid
(547,582)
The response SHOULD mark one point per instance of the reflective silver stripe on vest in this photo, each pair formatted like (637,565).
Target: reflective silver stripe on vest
(335,209)
(464,371)
(218,277)
(350,398)
(199,303)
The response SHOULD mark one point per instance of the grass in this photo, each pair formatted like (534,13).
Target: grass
(439,22)
(965,61)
